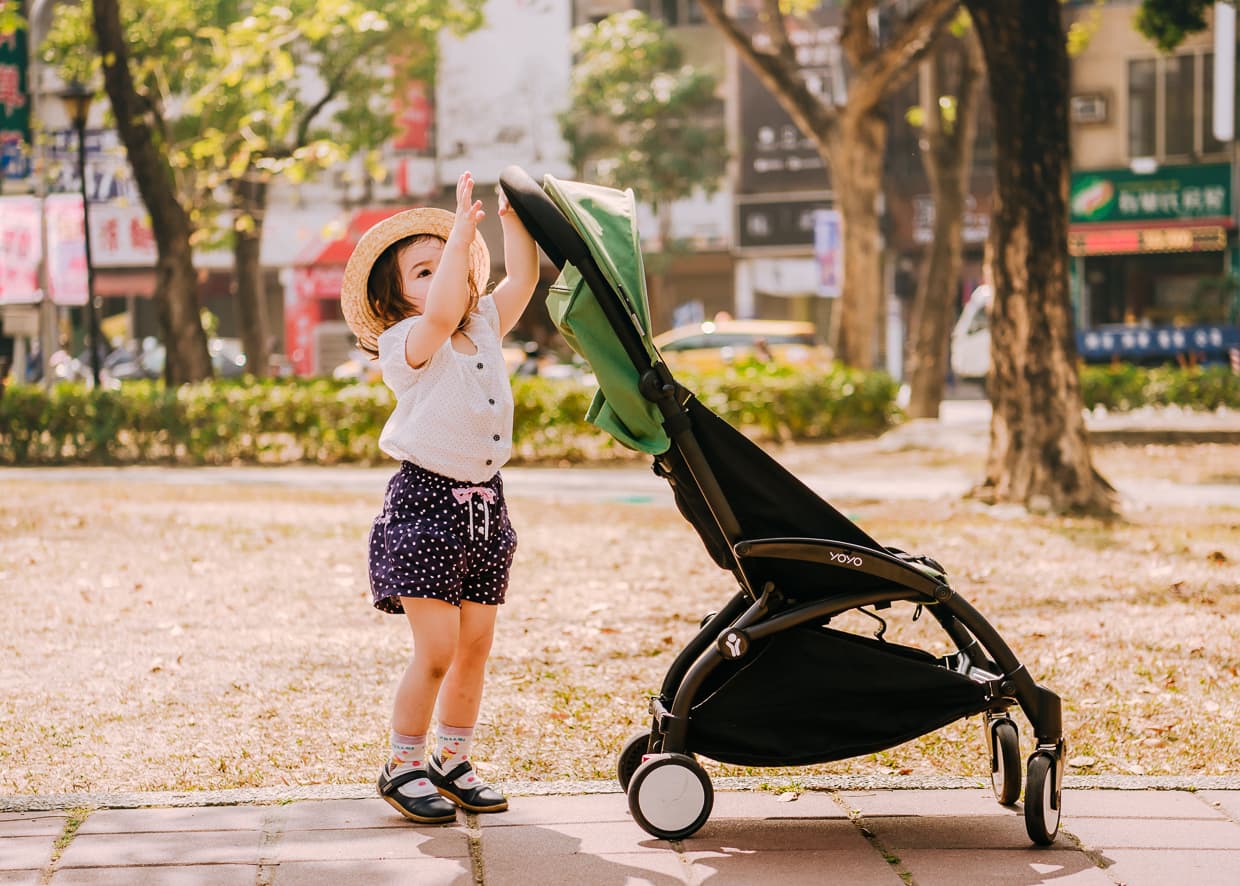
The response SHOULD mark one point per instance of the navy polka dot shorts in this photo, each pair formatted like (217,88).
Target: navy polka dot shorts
(440,538)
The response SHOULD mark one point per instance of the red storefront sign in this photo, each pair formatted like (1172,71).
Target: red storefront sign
(20,250)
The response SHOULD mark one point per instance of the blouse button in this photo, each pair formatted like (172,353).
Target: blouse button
(491,401)
(488,461)
(496,438)
(479,365)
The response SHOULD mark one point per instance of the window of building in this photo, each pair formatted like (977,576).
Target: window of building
(1142,108)
(673,12)
(1171,107)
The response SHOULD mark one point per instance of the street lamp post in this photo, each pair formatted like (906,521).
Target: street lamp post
(77,97)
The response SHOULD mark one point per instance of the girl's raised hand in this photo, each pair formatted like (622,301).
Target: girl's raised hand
(468,210)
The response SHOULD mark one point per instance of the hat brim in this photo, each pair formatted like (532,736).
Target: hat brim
(364,323)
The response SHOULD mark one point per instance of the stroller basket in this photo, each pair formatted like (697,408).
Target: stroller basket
(765,681)
(866,696)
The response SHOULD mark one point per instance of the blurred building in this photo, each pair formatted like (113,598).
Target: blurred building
(1153,217)
(1152,205)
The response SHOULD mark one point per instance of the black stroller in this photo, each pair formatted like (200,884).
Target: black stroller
(766,681)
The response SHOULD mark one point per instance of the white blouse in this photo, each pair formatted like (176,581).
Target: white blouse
(453,415)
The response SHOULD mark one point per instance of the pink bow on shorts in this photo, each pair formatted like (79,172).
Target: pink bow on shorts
(465,495)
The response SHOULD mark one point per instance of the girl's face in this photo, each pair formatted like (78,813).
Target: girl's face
(417,263)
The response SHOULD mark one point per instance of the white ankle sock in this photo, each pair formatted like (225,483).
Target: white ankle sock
(409,752)
(452,746)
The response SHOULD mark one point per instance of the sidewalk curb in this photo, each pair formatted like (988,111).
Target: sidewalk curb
(273,796)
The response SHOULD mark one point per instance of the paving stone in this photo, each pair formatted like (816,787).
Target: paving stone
(1002,867)
(560,810)
(32,825)
(21,878)
(940,803)
(763,805)
(950,831)
(160,875)
(375,872)
(174,820)
(198,847)
(1136,804)
(608,838)
(1228,801)
(509,868)
(21,853)
(777,836)
(1144,833)
(344,845)
(311,815)
(1153,867)
(749,866)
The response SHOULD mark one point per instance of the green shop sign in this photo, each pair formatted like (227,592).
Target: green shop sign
(1174,192)
(14,106)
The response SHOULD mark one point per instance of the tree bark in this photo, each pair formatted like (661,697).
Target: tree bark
(857,149)
(250,199)
(1039,449)
(947,153)
(176,282)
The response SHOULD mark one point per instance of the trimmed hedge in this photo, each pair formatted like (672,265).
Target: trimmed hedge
(327,422)
(1125,387)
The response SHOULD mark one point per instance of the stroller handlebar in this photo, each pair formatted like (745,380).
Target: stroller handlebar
(542,218)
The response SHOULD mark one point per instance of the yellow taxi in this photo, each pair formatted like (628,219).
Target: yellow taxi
(702,347)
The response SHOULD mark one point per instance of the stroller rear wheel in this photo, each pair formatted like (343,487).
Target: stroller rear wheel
(631,757)
(1004,761)
(1042,799)
(670,796)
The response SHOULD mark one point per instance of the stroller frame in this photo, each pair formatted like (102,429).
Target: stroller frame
(669,793)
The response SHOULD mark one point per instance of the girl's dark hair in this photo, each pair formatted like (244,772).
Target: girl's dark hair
(385,295)
(385,291)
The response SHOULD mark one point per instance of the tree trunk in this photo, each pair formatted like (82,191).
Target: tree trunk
(250,199)
(856,157)
(176,282)
(948,157)
(1039,449)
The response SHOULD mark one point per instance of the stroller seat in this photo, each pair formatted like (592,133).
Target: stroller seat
(767,681)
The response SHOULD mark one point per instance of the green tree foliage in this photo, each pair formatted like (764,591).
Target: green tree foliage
(1168,22)
(639,117)
(275,87)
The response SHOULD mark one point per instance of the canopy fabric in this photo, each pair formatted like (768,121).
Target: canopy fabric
(606,219)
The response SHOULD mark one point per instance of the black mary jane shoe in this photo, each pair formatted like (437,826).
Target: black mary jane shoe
(429,809)
(477,796)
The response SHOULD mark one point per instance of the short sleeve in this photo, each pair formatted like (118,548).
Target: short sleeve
(490,312)
(397,373)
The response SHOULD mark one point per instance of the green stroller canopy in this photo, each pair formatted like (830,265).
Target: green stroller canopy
(606,219)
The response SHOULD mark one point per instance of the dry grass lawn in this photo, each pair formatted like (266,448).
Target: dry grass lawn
(191,636)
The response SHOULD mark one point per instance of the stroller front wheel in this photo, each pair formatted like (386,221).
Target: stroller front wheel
(1004,761)
(1042,800)
(670,796)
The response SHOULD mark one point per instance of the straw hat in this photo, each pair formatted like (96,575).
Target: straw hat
(410,223)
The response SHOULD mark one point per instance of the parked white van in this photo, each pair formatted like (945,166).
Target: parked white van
(971,337)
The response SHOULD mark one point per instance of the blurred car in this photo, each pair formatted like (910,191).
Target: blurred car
(970,349)
(702,347)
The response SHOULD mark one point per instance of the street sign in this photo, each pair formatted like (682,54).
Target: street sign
(829,252)
(20,320)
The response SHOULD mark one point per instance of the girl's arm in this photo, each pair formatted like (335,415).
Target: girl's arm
(449,290)
(513,293)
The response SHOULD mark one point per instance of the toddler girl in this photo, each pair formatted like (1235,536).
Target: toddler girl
(441,548)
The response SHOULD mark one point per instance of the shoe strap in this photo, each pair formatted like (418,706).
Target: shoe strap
(395,782)
(460,769)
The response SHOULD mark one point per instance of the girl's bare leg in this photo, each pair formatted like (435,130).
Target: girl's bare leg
(436,627)
(461,695)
